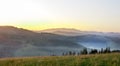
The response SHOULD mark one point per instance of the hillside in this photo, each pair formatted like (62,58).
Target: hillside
(18,42)
(98,41)
(89,39)
(21,42)
(63,31)
(82,60)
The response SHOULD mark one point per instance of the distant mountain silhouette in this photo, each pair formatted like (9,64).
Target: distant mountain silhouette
(63,31)
(21,42)
(89,39)
(69,32)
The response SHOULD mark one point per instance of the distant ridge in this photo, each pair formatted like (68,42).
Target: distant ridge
(21,42)
(89,39)
(76,32)
(63,31)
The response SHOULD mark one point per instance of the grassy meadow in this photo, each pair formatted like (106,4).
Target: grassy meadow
(112,59)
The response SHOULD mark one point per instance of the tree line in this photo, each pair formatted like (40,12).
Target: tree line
(92,51)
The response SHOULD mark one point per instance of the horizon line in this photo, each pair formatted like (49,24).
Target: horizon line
(58,28)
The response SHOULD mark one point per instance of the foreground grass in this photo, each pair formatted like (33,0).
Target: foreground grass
(83,60)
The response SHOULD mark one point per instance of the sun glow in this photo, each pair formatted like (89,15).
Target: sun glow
(102,15)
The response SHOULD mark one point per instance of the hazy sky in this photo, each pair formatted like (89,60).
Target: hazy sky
(92,15)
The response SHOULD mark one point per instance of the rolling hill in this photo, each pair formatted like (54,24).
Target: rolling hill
(89,39)
(16,42)
(63,31)
(19,42)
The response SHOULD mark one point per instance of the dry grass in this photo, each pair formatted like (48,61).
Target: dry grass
(82,60)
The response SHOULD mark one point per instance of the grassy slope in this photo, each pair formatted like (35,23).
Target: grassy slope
(83,60)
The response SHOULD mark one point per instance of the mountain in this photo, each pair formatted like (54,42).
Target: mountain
(16,42)
(98,41)
(63,31)
(90,39)
(75,32)
(71,32)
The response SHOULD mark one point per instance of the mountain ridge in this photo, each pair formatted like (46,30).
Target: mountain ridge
(21,42)
(91,39)
(75,32)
